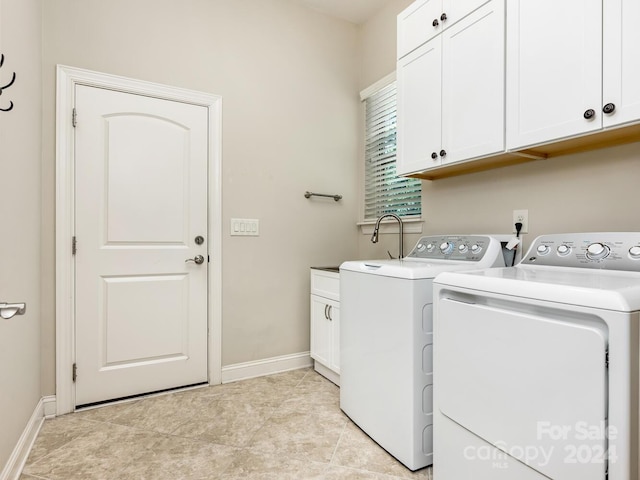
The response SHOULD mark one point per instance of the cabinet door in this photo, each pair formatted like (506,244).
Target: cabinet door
(320,330)
(456,10)
(473,85)
(334,319)
(415,25)
(621,64)
(554,69)
(424,19)
(419,108)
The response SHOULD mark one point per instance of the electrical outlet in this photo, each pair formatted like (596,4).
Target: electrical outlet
(521,216)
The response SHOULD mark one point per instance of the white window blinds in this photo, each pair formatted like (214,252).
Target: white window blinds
(384,191)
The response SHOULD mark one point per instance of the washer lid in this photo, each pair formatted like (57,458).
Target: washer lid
(409,269)
(605,289)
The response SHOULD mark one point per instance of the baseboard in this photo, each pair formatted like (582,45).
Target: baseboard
(267,366)
(18,458)
(326,372)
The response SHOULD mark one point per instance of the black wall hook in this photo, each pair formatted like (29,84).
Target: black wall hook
(13,79)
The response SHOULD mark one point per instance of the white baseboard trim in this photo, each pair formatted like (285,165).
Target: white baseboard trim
(326,372)
(18,458)
(267,366)
(50,406)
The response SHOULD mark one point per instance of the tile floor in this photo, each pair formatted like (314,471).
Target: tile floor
(284,426)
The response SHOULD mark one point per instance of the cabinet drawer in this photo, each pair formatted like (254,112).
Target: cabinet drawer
(326,284)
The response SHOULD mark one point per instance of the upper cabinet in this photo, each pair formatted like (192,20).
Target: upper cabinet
(424,19)
(578,74)
(621,62)
(554,70)
(565,78)
(441,120)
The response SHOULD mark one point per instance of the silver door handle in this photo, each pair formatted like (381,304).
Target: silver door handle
(198,260)
(8,310)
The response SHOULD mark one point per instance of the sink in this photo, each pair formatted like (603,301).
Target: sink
(328,269)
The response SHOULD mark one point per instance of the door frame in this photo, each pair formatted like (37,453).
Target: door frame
(67,79)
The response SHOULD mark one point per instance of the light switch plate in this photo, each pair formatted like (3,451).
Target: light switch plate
(245,227)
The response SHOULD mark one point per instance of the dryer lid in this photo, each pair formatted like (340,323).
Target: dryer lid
(604,289)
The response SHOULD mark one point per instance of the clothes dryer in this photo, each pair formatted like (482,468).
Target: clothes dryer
(537,366)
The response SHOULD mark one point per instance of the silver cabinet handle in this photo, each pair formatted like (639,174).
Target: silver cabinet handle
(8,310)
(198,259)
(329,316)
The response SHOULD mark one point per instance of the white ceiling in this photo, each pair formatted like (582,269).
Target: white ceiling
(354,11)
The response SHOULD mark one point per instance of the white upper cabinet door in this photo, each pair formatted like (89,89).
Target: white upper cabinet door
(621,73)
(473,68)
(416,25)
(419,109)
(424,19)
(554,70)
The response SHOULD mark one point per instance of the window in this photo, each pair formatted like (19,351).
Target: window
(384,191)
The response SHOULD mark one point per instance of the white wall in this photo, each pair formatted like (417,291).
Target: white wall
(289,81)
(20,133)
(592,191)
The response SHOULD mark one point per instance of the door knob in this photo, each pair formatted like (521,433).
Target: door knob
(8,310)
(198,260)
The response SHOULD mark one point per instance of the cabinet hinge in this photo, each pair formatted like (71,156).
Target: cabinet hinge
(74,372)
(74,245)
(74,118)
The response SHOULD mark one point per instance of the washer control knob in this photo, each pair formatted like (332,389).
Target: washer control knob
(421,247)
(463,248)
(430,247)
(597,251)
(634,252)
(563,250)
(543,249)
(475,248)
(446,248)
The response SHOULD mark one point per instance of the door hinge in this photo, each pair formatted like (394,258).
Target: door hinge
(606,359)
(74,118)
(74,372)
(74,245)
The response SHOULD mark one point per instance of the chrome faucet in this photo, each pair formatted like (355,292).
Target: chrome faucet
(374,237)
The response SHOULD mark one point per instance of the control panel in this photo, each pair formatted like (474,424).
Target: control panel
(609,251)
(469,248)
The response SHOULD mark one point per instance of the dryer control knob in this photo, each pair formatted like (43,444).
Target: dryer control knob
(446,248)
(563,250)
(463,248)
(634,252)
(421,247)
(475,248)
(543,249)
(597,251)
(430,247)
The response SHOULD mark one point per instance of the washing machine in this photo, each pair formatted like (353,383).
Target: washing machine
(537,366)
(386,340)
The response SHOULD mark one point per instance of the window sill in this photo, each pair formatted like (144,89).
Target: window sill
(410,225)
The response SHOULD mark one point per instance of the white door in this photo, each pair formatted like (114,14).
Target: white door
(621,69)
(141,201)
(473,68)
(554,70)
(509,377)
(419,109)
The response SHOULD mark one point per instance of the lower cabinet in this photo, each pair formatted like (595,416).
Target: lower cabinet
(325,324)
